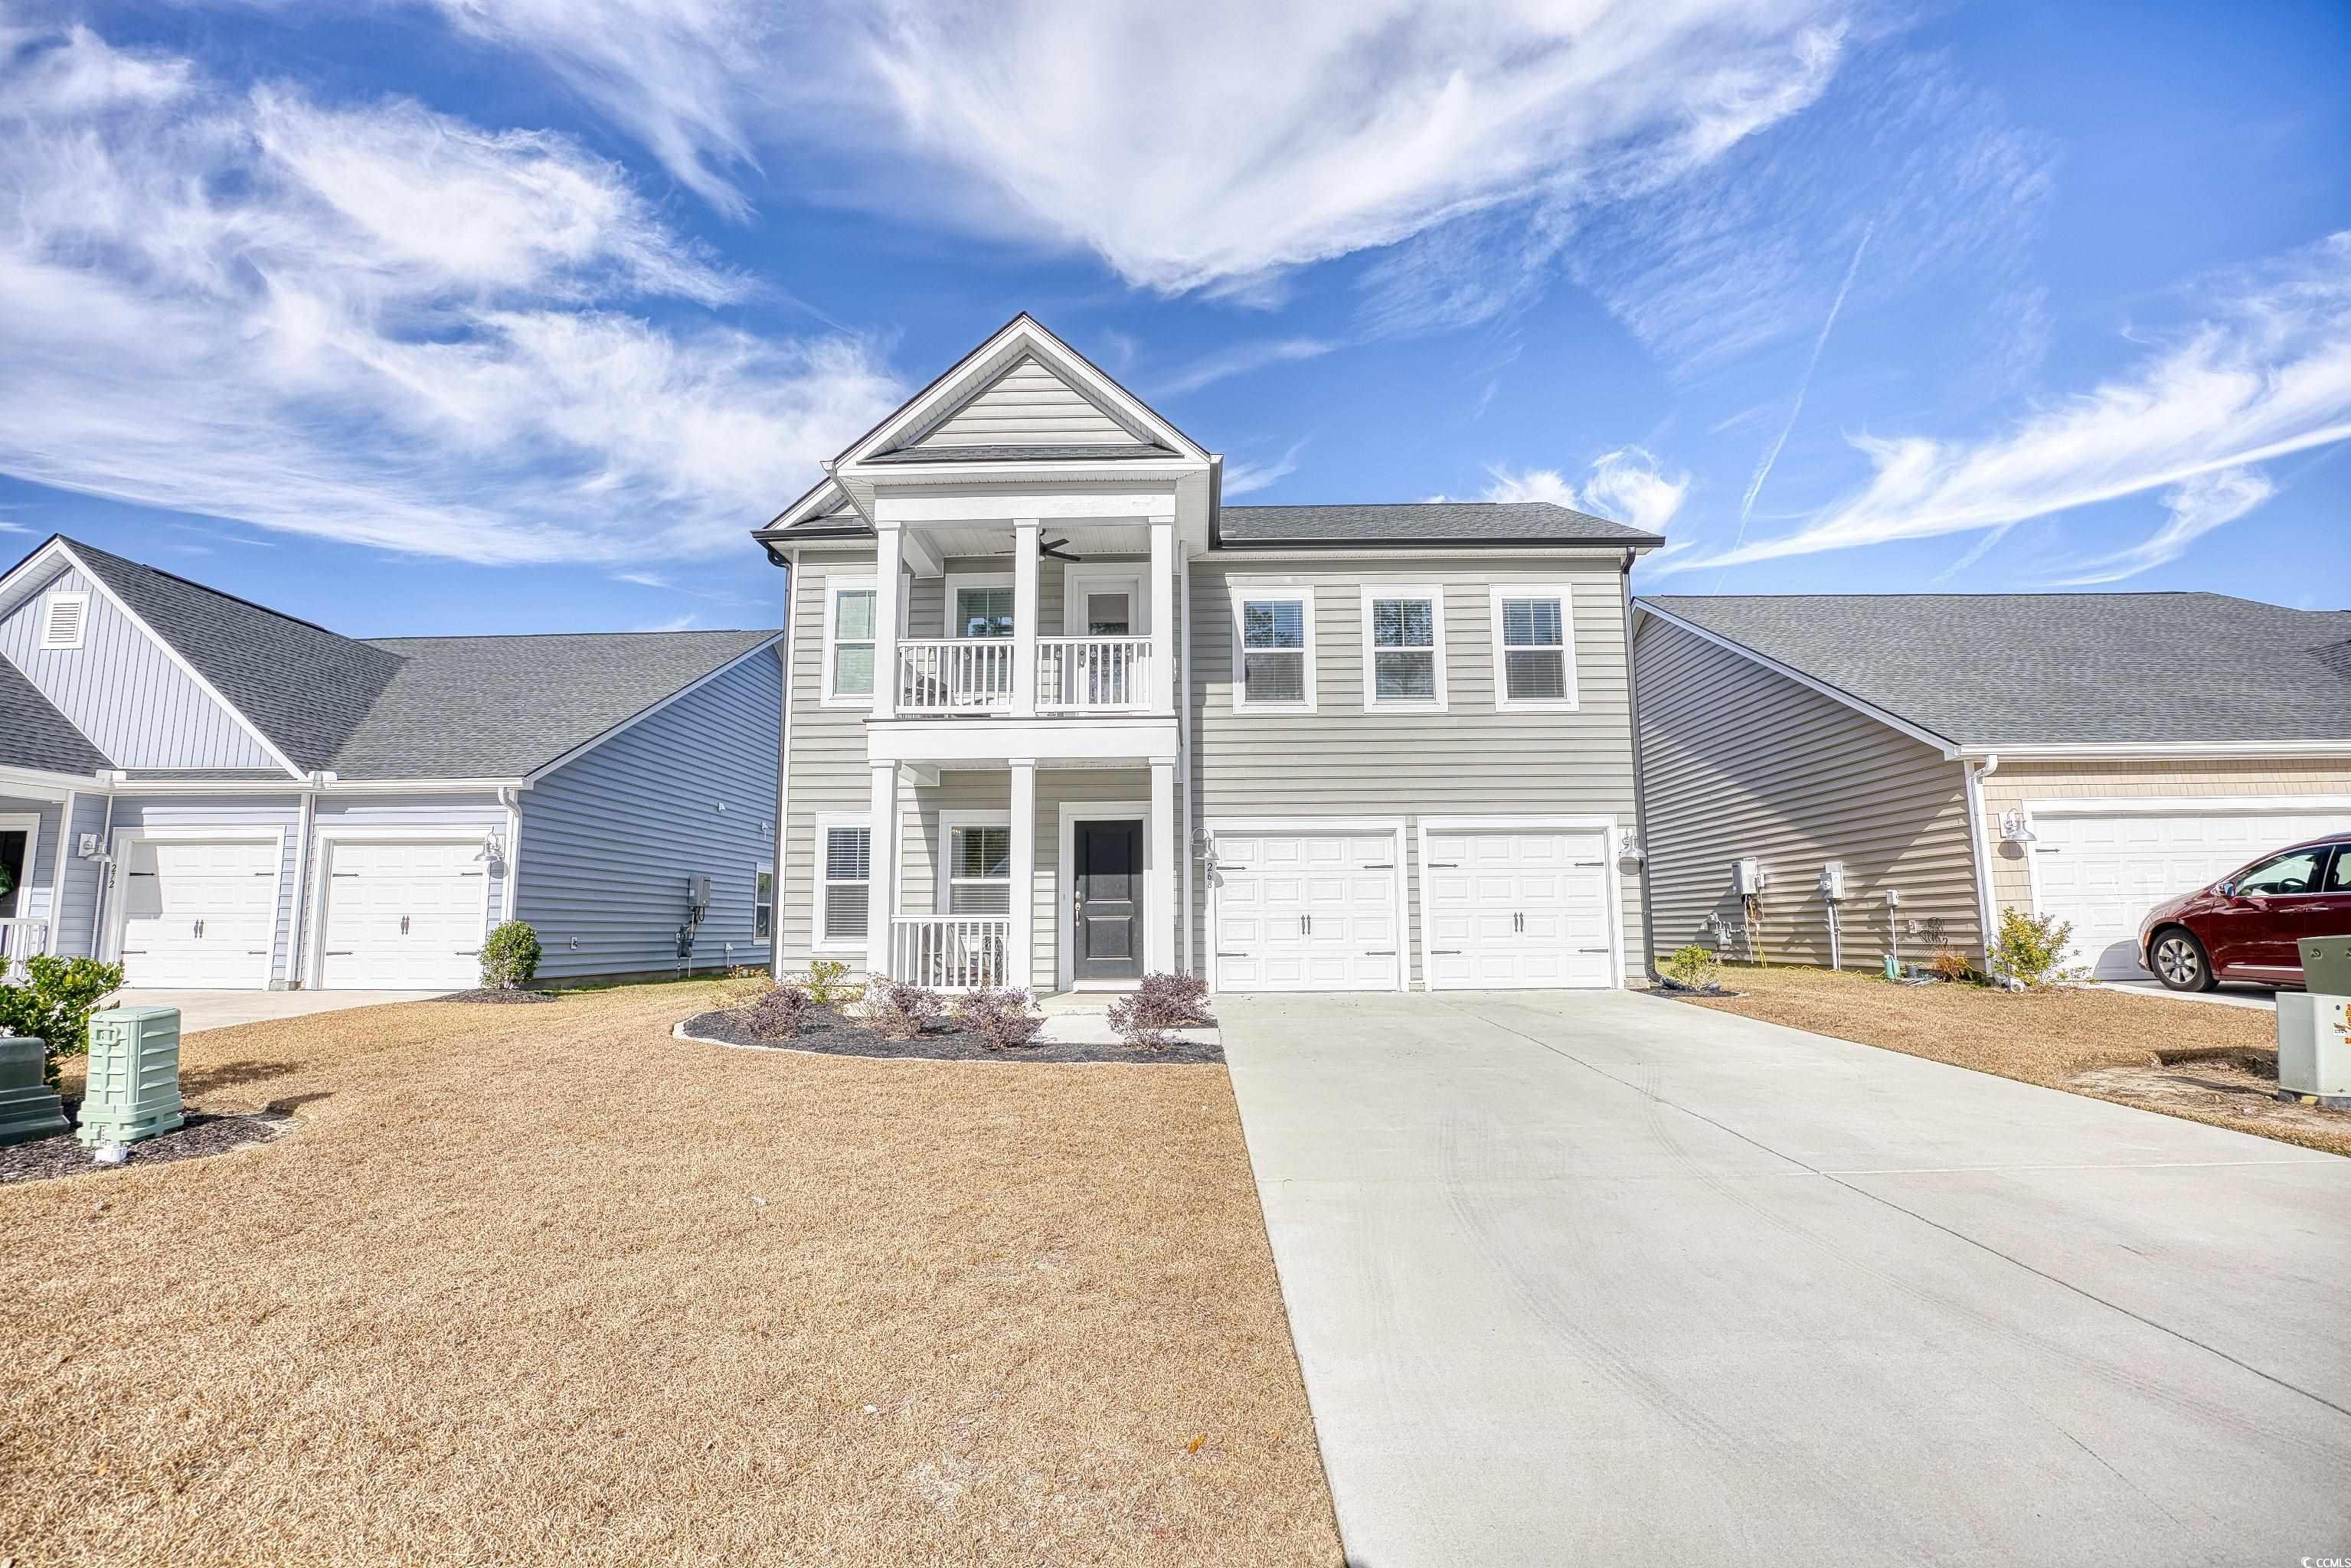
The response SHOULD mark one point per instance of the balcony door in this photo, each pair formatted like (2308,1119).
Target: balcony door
(1099,602)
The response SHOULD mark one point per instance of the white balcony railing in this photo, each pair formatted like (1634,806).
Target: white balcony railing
(950,952)
(20,940)
(1088,673)
(963,675)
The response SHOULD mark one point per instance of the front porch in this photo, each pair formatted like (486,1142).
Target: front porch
(1051,878)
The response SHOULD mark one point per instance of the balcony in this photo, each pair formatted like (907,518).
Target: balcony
(1074,675)
(972,675)
(1090,675)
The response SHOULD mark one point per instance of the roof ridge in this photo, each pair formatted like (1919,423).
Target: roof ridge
(205,588)
(517,636)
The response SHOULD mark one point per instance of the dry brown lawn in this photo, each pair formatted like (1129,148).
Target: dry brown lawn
(540,1283)
(2079,1039)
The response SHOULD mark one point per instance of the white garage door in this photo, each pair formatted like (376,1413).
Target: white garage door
(1307,912)
(1518,909)
(2103,873)
(403,915)
(199,915)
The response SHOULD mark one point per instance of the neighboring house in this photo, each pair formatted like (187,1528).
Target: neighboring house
(223,797)
(2084,756)
(1058,716)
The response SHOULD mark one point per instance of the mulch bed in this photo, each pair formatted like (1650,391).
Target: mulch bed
(836,1035)
(497,997)
(203,1134)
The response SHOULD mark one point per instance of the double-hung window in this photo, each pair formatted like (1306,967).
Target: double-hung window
(762,904)
(844,881)
(983,612)
(849,640)
(1404,647)
(1275,649)
(1534,648)
(978,868)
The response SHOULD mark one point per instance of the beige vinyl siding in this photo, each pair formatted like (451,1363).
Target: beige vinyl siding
(827,769)
(1028,405)
(1473,760)
(2135,778)
(1737,760)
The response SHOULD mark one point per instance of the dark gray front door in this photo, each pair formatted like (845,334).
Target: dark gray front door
(1108,899)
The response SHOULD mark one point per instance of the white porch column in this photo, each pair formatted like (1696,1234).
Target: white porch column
(1019,950)
(1160,879)
(1024,619)
(1162,615)
(889,563)
(882,889)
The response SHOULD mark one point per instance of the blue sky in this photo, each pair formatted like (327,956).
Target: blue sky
(460,315)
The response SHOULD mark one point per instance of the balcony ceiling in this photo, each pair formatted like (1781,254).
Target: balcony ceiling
(1084,539)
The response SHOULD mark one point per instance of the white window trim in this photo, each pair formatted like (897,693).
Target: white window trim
(832,588)
(957,581)
(1566,597)
(942,868)
(768,870)
(49,601)
(30,824)
(1435,594)
(1077,582)
(1244,590)
(825,822)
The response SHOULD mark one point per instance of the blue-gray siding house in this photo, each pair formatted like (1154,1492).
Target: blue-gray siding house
(219,796)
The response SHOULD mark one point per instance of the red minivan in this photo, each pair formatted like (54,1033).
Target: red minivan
(2246,926)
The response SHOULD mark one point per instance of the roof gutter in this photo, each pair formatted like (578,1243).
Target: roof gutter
(2180,750)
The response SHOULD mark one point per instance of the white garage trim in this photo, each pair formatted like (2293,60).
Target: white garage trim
(1154,883)
(2184,805)
(314,941)
(1610,877)
(118,906)
(1393,826)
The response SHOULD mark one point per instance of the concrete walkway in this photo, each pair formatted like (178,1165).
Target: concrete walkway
(1600,1278)
(218,1009)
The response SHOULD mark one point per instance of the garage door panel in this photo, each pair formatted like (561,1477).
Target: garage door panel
(402,915)
(1306,911)
(199,915)
(1530,910)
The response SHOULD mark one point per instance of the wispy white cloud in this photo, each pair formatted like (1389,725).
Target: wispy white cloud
(1804,385)
(1240,360)
(377,323)
(2198,506)
(678,623)
(641,578)
(1626,485)
(1242,478)
(2266,373)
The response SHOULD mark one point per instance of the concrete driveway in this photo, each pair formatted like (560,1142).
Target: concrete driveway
(218,1009)
(1599,1278)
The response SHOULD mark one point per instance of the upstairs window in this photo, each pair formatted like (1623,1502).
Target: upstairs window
(1534,660)
(849,640)
(844,881)
(1404,647)
(1277,650)
(65,618)
(980,869)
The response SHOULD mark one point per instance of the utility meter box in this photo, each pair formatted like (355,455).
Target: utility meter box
(697,893)
(29,1109)
(134,1088)
(2326,966)
(1832,880)
(1747,876)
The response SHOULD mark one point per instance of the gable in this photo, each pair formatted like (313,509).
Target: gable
(122,689)
(1027,405)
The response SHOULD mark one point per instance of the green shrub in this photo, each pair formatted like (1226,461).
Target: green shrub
(1694,968)
(510,957)
(828,983)
(2030,949)
(55,1002)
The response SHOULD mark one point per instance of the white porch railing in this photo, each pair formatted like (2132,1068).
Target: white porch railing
(20,940)
(963,674)
(950,952)
(1086,673)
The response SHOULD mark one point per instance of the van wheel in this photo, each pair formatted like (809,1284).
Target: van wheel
(2180,960)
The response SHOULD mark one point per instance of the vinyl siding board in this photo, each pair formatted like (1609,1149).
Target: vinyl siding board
(610,838)
(827,769)
(124,691)
(1473,760)
(1737,760)
(1028,405)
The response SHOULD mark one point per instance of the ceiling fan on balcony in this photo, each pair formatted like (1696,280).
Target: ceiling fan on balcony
(1053,548)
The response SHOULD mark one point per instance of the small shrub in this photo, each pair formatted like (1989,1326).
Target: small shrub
(1159,1003)
(510,957)
(1951,963)
(1004,1019)
(2031,949)
(897,1011)
(1694,968)
(781,1012)
(827,982)
(53,1003)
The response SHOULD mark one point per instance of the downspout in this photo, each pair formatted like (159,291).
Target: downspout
(1182,644)
(305,823)
(511,799)
(1979,840)
(1640,799)
(790,567)
(105,867)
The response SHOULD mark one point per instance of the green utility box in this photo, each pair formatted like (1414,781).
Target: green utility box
(2326,966)
(29,1109)
(2315,1028)
(134,1075)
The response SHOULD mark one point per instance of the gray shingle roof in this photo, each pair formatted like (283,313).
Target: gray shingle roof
(498,707)
(1482,524)
(39,735)
(2057,669)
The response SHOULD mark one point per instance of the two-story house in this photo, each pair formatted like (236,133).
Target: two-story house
(1058,716)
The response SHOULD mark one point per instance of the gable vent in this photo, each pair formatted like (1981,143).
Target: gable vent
(63,618)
